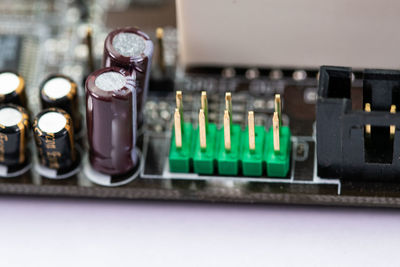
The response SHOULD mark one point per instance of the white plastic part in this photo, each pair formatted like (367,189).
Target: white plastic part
(287,33)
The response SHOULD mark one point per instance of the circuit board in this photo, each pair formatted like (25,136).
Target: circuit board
(41,48)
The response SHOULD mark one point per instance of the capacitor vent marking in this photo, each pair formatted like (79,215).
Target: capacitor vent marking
(10,116)
(110,81)
(52,122)
(57,87)
(129,44)
(9,82)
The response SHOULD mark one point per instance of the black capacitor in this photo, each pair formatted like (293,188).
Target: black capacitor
(60,91)
(111,120)
(54,138)
(131,49)
(14,123)
(12,88)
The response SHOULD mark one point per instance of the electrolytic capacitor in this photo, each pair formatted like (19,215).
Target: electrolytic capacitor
(54,139)
(12,89)
(111,120)
(14,123)
(60,91)
(131,49)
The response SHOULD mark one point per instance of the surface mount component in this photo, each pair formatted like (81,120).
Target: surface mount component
(358,144)
(13,45)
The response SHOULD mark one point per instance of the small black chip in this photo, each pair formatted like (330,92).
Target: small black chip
(10,51)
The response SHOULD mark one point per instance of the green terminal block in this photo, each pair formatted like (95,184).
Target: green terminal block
(180,158)
(278,162)
(228,160)
(252,160)
(203,158)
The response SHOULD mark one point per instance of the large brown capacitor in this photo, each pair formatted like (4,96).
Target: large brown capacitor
(111,120)
(12,88)
(131,49)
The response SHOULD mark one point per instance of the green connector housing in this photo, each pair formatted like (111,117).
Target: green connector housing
(228,161)
(180,158)
(203,160)
(278,163)
(252,162)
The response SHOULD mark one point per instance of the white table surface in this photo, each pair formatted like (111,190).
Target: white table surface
(79,232)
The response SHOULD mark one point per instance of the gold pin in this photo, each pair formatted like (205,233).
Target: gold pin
(227,130)
(368,126)
(204,107)
(179,103)
(252,138)
(278,107)
(202,130)
(89,43)
(392,127)
(160,41)
(275,128)
(178,128)
(228,104)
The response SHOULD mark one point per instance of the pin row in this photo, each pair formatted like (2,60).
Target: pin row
(230,147)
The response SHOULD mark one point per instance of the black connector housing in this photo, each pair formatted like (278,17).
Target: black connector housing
(345,148)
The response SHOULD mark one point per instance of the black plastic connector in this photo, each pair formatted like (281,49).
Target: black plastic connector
(358,144)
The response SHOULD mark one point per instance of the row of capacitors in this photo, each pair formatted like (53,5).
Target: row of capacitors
(53,128)
(114,99)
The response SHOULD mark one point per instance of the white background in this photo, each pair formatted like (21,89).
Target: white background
(79,232)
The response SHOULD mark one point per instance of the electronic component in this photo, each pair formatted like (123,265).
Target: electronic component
(219,146)
(162,75)
(14,123)
(12,88)
(131,49)
(111,120)
(355,144)
(228,151)
(253,148)
(278,145)
(61,92)
(205,141)
(11,43)
(181,140)
(54,138)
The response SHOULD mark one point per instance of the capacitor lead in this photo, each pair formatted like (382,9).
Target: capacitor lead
(54,138)
(131,49)
(111,120)
(12,88)
(60,91)
(14,123)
